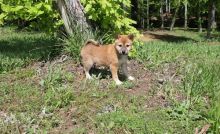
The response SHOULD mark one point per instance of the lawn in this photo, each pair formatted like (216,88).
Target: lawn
(177,85)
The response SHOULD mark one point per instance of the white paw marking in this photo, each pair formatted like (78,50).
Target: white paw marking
(118,82)
(131,78)
(88,76)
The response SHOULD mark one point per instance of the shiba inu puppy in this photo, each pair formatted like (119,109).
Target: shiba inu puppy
(112,55)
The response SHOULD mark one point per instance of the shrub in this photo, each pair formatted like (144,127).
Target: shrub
(110,15)
(38,15)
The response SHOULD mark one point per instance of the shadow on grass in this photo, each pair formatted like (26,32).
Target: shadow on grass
(213,38)
(168,37)
(20,49)
(39,48)
(104,73)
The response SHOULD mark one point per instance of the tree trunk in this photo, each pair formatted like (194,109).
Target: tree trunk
(161,15)
(142,13)
(167,6)
(211,21)
(185,14)
(199,19)
(134,11)
(148,19)
(73,15)
(174,16)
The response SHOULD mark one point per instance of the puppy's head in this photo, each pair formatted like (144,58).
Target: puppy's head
(123,43)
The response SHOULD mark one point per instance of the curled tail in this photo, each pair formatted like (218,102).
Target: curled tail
(92,42)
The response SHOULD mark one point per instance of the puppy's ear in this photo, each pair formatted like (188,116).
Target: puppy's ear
(118,36)
(131,37)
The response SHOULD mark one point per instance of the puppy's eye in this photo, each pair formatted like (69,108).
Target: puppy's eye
(127,45)
(120,45)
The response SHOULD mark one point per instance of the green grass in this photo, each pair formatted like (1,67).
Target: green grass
(197,64)
(18,49)
(59,100)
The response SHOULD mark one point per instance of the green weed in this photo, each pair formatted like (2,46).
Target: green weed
(214,116)
(57,93)
(120,121)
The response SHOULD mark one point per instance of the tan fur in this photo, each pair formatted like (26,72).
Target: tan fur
(112,55)
(90,41)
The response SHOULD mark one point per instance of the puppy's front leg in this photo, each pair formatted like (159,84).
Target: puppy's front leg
(114,71)
(125,71)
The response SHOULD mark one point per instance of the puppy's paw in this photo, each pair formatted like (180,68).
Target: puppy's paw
(131,78)
(118,82)
(89,77)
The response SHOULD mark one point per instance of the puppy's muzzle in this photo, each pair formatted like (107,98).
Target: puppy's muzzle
(123,52)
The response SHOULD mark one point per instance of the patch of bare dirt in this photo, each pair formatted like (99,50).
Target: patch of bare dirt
(167,80)
(147,37)
(214,43)
(145,80)
(68,123)
(143,76)
(157,100)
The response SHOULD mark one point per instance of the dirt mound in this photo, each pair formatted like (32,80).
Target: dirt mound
(142,75)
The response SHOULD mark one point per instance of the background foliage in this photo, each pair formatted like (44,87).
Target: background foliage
(37,15)
(110,15)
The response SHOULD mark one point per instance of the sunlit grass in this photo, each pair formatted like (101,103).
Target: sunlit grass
(42,103)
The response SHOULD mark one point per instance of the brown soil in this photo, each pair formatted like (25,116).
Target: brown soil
(144,78)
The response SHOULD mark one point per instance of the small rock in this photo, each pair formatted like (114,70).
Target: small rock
(161,81)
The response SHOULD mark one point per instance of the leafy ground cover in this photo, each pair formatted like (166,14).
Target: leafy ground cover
(176,88)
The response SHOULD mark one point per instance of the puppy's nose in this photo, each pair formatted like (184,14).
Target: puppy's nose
(123,52)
